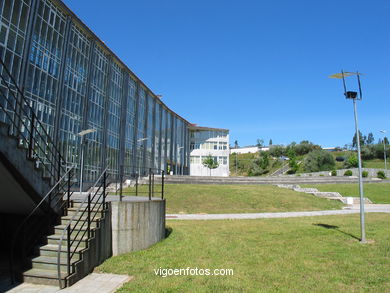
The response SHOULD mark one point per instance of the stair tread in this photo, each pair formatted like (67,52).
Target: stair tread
(58,236)
(77,227)
(53,259)
(41,273)
(54,247)
(76,208)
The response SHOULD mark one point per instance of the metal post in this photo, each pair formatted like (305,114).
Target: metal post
(150,183)
(121,183)
(68,191)
(68,250)
(31,142)
(362,224)
(89,215)
(104,189)
(81,165)
(384,152)
(162,184)
(136,184)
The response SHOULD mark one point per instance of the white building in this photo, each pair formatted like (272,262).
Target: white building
(248,150)
(204,142)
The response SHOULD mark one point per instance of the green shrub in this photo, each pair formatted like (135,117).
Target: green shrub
(348,173)
(381,175)
(334,173)
(321,175)
(364,174)
(352,161)
(318,160)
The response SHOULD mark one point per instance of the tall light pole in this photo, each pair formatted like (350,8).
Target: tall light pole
(140,140)
(82,135)
(181,163)
(384,147)
(353,95)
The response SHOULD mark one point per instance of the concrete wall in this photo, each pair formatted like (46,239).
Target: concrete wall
(99,249)
(136,225)
(355,172)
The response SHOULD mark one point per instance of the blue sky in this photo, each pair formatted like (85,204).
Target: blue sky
(258,68)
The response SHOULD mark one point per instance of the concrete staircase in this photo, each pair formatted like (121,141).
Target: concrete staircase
(178,179)
(88,252)
(328,195)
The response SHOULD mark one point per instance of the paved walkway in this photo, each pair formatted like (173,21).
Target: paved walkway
(93,283)
(354,209)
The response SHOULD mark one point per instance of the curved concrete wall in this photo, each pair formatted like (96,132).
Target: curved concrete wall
(136,224)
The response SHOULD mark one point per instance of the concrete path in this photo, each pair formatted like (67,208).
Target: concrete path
(354,209)
(102,283)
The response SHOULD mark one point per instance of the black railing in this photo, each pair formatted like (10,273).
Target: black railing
(58,196)
(143,182)
(89,206)
(32,134)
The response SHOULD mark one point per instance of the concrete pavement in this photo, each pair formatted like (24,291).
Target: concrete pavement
(102,283)
(353,209)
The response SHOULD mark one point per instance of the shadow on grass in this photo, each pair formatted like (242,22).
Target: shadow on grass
(336,228)
(168,231)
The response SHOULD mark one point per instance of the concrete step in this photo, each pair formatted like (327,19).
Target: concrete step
(52,250)
(43,277)
(50,263)
(326,194)
(55,239)
(72,211)
(65,219)
(60,228)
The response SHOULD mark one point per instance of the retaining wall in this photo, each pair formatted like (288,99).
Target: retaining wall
(136,225)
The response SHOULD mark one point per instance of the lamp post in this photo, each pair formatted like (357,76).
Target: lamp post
(82,135)
(140,140)
(384,147)
(180,148)
(353,95)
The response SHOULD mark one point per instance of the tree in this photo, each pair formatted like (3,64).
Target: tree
(354,140)
(210,163)
(260,143)
(370,138)
(386,140)
(318,160)
(270,142)
(235,144)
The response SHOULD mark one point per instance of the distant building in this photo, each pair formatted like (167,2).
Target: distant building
(205,141)
(248,150)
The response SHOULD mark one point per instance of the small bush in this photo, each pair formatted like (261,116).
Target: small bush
(381,175)
(352,161)
(321,175)
(334,173)
(364,174)
(348,173)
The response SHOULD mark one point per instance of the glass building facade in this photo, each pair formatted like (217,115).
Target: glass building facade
(74,82)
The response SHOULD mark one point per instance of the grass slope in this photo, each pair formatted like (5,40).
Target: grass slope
(376,192)
(218,199)
(268,255)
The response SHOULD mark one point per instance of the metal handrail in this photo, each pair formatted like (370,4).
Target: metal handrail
(33,119)
(67,227)
(149,176)
(34,210)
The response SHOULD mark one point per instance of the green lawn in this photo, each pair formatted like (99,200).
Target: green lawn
(217,199)
(266,255)
(376,192)
(375,164)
